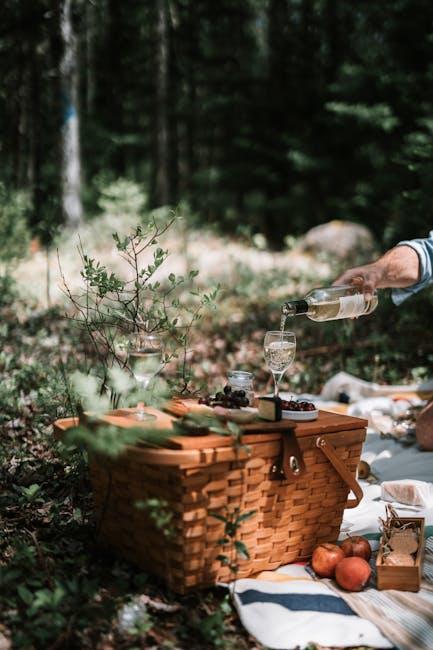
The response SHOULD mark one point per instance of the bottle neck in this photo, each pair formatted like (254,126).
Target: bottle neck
(295,307)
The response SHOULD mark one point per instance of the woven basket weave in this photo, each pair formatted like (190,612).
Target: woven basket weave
(292,514)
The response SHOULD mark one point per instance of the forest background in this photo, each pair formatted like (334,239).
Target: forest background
(266,116)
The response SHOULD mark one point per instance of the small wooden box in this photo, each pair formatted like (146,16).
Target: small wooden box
(403,578)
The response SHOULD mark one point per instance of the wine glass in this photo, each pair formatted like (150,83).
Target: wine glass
(279,349)
(146,359)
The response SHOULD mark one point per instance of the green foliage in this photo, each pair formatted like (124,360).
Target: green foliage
(273,116)
(8,290)
(121,197)
(377,115)
(14,232)
(31,492)
(212,627)
(110,308)
(160,514)
(94,400)
(234,548)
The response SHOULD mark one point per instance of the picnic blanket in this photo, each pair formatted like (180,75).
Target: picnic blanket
(289,608)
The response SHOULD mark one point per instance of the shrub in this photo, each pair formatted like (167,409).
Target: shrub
(14,232)
(122,197)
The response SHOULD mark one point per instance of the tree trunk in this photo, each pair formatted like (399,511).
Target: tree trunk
(70,136)
(163,190)
(280,97)
(35,128)
(91,31)
(116,88)
(21,115)
(191,118)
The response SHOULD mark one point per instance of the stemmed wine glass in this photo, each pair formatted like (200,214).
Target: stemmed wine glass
(279,349)
(146,359)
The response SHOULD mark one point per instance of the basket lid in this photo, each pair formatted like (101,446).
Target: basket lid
(259,431)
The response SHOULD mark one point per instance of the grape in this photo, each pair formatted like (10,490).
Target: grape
(228,398)
(295,405)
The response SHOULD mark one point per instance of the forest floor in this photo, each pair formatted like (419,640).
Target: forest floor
(217,258)
(58,590)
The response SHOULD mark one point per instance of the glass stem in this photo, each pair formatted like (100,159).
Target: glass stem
(145,383)
(140,406)
(277,379)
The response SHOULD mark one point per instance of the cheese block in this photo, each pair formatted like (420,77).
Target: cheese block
(270,408)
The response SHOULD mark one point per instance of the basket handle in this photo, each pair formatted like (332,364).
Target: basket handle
(342,470)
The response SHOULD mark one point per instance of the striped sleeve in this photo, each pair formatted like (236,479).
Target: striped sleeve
(424,250)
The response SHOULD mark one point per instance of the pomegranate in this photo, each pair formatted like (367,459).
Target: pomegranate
(357,546)
(325,558)
(352,573)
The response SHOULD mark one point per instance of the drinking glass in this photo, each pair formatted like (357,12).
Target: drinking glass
(146,359)
(279,349)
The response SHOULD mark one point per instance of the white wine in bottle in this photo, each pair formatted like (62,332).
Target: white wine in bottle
(332,303)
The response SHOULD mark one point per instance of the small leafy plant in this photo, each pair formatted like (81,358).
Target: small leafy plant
(110,306)
(235,547)
(160,514)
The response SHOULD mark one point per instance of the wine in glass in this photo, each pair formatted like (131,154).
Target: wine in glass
(279,349)
(146,359)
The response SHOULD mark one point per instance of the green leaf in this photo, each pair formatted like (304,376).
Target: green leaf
(233,428)
(242,550)
(217,516)
(25,594)
(245,516)
(31,491)
(120,380)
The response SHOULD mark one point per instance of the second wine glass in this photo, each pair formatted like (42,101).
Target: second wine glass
(279,349)
(146,359)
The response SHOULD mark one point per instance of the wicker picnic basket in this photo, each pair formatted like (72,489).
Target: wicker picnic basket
(296,480)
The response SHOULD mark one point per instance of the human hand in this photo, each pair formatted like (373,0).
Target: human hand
(397,268)
(368,278)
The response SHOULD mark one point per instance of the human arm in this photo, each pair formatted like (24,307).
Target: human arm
(406,269)
(397,268)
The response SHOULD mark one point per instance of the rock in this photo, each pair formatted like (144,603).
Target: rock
(343,240)
(5,642)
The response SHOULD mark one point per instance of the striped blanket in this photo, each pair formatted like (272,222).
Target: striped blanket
(288,608)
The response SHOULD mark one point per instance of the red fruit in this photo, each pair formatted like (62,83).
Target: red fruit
(356,546)
(352,573)
(325,558)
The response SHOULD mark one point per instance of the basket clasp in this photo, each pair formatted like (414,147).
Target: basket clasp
(290,463)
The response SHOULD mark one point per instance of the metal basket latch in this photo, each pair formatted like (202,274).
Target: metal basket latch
(290,463)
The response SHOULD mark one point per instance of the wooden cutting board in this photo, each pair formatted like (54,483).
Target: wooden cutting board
(255,432)
(122,418)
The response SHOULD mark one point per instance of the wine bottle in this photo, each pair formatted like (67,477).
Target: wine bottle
(332,303)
